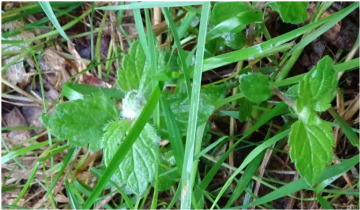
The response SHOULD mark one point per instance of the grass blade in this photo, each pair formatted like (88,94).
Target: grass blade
(341,67)
(245,179)
(300,184)
(350,134)
(248,159)
(277,110)
(13,154)
(186,178)
(141,32)
(149,4)
(243,54)
(75,91)
(323,202)
(180,50)
(65,163)
(154,65)
(174,134)
(296,51)
(98,174)
(50,14)
(74,202)
(28,182)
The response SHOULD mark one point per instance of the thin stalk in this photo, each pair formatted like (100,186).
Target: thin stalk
(98,43)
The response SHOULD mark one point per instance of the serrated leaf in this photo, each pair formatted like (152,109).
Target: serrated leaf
(311,148)
(179,105)
(318,85)
(291,12)
(140,164)
(256,87)
(136,74)
(114,133)
(135,68)
(82,121)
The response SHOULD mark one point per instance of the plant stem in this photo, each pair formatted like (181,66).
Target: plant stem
(287,100)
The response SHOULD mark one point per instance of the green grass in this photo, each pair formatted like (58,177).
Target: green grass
(188,171)
(194,156)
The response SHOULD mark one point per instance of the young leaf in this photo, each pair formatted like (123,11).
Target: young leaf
(133,104)
(179,104)
(318,85)
(311,138)
(82,121)
(134,75)
(141,163)
(291,12)
(311,148)
(256,87)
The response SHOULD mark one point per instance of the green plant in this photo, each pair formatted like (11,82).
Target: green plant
(158,95)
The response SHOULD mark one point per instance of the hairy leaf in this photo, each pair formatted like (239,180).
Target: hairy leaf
(291,12)
(82,121)
(179,104)
(135,69)
(140,164)
(136,74)
(311,148)
(256,87)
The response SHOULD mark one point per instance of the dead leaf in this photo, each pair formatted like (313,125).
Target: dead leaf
(94,81)
(16,119)
(61,198)
(52,61)
(15,73)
